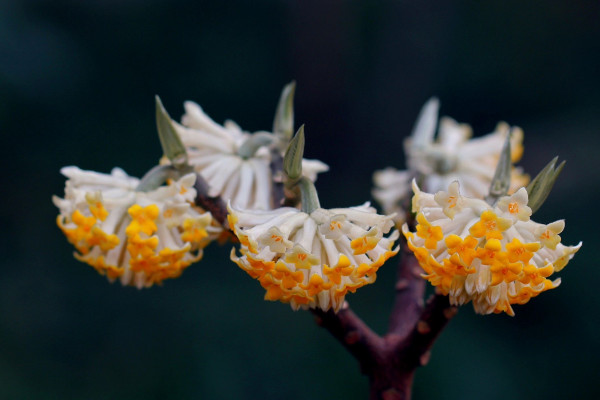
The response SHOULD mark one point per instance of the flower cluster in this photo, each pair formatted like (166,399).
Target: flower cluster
(233,169)
(141,238)
(312,260)
(493,256)
(143,232)
(452,156)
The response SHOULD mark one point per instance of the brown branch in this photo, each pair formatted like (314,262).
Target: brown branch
(276,166)
(410,289)
(436,315)
(391,361)
(215,205)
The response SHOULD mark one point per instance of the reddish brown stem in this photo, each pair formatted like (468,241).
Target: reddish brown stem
(215,205)
(276,165)
(410,289)
(390,361)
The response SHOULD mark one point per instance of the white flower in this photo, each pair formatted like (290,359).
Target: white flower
(140,237)
(312,260)
(454,155)
(214,152)
(492,256)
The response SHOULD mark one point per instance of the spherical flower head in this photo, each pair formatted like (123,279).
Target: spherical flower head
(452,156)
(493,256)
(140,238)
(312,260)
(215,153)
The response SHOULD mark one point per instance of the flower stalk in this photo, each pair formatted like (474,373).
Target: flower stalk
(308,192)
(156,177)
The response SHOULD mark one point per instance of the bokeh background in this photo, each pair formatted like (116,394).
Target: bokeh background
(77,80)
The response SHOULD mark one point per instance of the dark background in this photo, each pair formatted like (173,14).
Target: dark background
(77,80)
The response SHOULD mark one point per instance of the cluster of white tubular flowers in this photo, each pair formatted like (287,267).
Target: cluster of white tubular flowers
(312,260)
(453,155)
(235,164)
(138,237)
(493,256)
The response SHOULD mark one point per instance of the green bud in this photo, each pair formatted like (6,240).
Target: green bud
(501,181)
(539,188)
(283,123)
(171,144)
(292,161)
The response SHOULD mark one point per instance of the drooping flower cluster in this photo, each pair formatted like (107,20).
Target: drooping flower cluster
(141,238)
(452,156)
(493,256)
(233,170)
(312,260)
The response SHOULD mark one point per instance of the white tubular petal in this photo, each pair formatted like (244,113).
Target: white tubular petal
(194,139)
(221,177)
(89,179)
(424,130)
(231,186)
(243,197)
(262,174)
(308,234)
(452,134)
(214,169)
(201,159)
(197,119)
(311,168)
(452,156)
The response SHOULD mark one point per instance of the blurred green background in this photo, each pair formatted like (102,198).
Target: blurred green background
(77,80)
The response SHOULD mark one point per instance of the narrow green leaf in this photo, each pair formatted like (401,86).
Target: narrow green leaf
(171,144)
(283,123)
(292,161)
(541,186)
(501,181)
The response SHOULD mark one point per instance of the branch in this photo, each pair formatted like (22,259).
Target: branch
(437,313)
(276,166)
(410,289)
(215,205)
